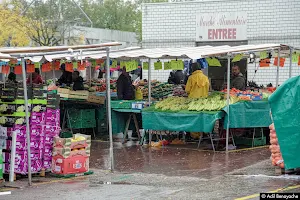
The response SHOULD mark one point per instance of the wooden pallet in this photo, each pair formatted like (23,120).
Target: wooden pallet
(72,175)
(279,171)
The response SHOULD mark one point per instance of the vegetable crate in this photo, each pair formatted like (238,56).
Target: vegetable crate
(77,124)
(81,118)
(261,141)
(121,104)
(81,114)
(96,99)
(1,165)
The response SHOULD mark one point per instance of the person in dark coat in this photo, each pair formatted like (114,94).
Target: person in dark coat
(125,89)
(238,80)
(66,77)
(77,81)
(176,77)
(12,78)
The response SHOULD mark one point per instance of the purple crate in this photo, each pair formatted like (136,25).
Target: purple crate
(53,113)
(52,133)
(48,139)
(20,145)
(37,118)
(37,144)
(19,169)
(49,128)
(53,123)
(47,164)
(20,157)
(20,130)
(36,130)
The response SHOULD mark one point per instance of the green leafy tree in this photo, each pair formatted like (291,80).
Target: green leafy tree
(13,31)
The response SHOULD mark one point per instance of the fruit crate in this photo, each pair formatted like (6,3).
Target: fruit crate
(77,124)
(101,113)
(1,165)
(260,141)
(121,104)
(81,114)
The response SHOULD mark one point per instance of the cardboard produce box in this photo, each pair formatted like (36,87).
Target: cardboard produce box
(72,143)
(71,165)
(68,152)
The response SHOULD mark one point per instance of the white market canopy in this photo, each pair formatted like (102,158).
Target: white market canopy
(5,56)
(30,50)
(162,53)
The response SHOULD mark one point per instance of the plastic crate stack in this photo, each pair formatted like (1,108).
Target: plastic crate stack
(15,120)
(51,130)
(71,155)
(81,118)
(44,125)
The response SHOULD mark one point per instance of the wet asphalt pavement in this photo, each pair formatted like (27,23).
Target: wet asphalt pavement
(174,172)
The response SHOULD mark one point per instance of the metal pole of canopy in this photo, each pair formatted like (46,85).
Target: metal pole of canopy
(53,74)
(111,152)
(291,61)
(278,64)
(27,120)
(228,100)
(149,81)
(90,72)
(12,157)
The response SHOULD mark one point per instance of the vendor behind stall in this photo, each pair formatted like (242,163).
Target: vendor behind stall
(35,77)
(237,80)
(12,78)
(125,89)
(77,81)
(198,84)
(176,77)
(66,77)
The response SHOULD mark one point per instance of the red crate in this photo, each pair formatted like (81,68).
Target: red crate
(72,165)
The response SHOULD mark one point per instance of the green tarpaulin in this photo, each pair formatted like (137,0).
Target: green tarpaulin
(248,114)
(180,121)
(285,107)
(120,117)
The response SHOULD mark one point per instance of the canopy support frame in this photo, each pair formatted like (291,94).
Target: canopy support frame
(149,81)
(26,120)
(228,99)
(291,62)
(278,65)
(109,120)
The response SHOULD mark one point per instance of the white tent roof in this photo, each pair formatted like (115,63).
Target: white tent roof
(163,53)
(28,50)
(5,56)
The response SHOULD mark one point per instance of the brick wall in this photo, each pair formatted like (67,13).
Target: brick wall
(269,21)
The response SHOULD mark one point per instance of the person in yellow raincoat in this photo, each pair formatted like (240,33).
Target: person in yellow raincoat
(197,85)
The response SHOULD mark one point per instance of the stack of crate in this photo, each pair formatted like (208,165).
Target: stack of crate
(81,118)
(71,155)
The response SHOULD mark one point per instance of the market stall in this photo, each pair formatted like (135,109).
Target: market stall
(29,124)
(196,53)
(129,57)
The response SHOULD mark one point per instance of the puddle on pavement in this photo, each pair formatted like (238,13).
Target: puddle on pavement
(39,181)
(97,183)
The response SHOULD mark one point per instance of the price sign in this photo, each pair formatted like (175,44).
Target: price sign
(158,65)
(237,58)
(167,66)
(37,65)
(114,64)
(146,66)
(177,64)
(263,55)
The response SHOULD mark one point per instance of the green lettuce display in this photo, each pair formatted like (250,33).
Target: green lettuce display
(214,102)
